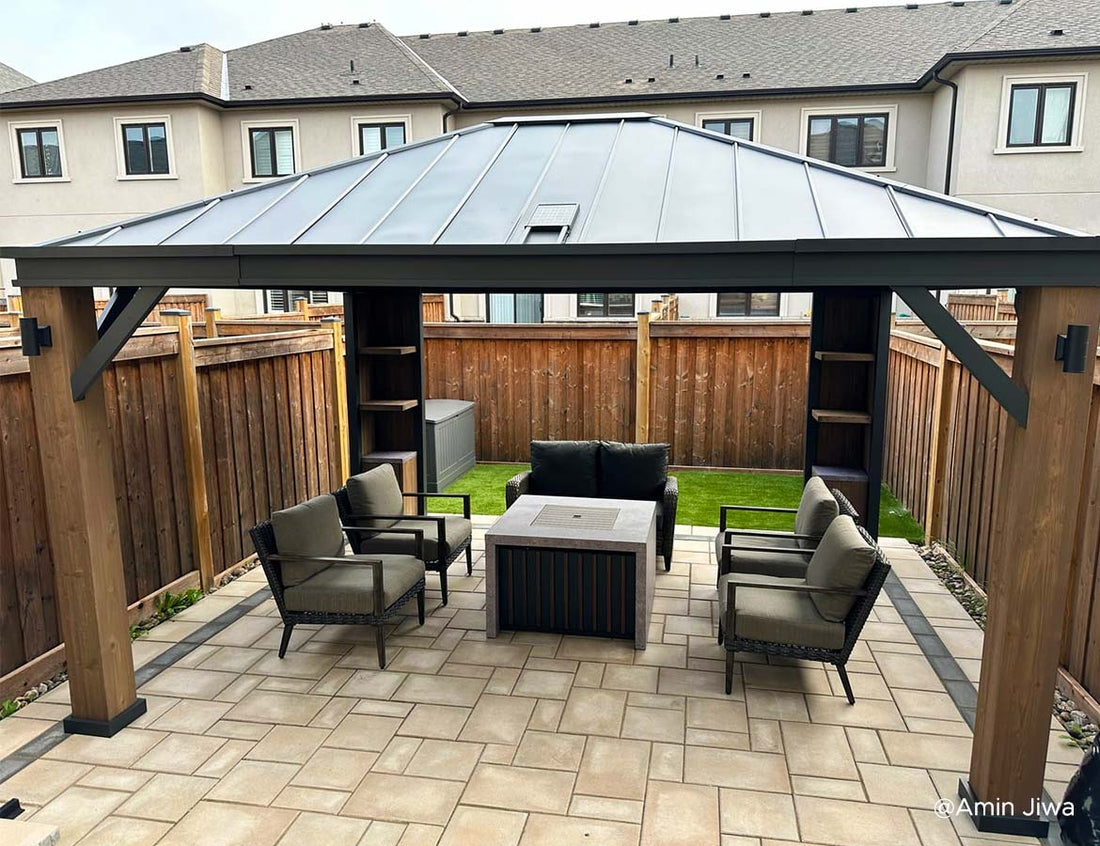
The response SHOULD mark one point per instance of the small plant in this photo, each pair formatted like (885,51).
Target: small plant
(170,604)
(8,707)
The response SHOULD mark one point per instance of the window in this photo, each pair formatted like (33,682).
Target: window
(145,148)
(1041,114)
(856,140)
(380,136)
(748,305)
(272,151)
(39,152)
(605,305)
(737,127)
(281,300)
(514,308)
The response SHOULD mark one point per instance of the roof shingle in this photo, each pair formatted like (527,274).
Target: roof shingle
(10,78)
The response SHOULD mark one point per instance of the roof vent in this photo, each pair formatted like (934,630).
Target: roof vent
(185,49)
(765,14)
(719,76)
(355,82)
(851,9)
(364,26)
(463,34)
(911,6)
(629,80)
(595,25)
(632,23)
(536,29)
(424,36)
(1057,32)
(551,222)
(498,32)
(673,20)
(958,4)
(723,17)
(746,75)
(651,79)
(247,86)
(1004,2)
(326,26)
(351,65)
(807,11)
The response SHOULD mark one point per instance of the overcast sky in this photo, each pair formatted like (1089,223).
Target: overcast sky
(49,39)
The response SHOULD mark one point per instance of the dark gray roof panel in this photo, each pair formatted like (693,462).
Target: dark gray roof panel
(633,179)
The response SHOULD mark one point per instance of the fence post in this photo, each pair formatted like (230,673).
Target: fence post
(641,381)
(942,412)
(192,445)
(340,392)
(301,304)
(213,315)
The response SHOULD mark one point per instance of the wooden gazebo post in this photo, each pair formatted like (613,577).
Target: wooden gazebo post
(75,451)
(1040,485)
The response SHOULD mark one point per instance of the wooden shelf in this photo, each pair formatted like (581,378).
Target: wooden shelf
(831,415)
(388,405)
(396,350)
(825,355)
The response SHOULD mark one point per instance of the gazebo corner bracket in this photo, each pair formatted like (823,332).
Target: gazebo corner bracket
(1009,395)
(124,313)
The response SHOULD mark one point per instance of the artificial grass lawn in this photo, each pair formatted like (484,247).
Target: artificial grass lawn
(701,492)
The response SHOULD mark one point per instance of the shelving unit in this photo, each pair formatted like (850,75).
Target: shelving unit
(845,419)
(386,380)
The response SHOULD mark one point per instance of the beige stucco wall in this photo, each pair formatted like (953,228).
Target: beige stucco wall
(1060,187)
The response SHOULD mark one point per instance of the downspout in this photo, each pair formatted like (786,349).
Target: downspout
(951,128)
(448,114)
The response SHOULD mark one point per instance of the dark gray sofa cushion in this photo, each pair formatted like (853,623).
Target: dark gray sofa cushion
(308,530)
(376,492)
(633,471)
(564,468)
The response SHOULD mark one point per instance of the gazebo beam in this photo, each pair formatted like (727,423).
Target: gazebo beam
(75,451)
(1040,485)
(1009,394)
(122,317)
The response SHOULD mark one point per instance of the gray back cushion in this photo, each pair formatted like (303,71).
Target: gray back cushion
(564,468)
(843,559)
(376,492)
(309,530)
(816,510)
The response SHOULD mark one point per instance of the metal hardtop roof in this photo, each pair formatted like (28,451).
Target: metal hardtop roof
(609,179)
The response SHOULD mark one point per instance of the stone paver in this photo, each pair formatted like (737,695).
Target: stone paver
(528,739)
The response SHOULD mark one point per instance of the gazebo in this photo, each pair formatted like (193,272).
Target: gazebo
(631,203)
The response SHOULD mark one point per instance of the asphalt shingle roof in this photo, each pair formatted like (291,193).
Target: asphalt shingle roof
(11,78)
(885,46)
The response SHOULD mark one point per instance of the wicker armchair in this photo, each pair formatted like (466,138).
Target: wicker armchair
(379,513)
(784,617)
(521,484)
(335,589)
(778,553)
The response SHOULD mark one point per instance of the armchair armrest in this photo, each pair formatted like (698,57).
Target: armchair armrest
(771,550)
(418,533)
(440,526)
(723,510)
(425,496)
(764,533)
(516,487)
(670,499)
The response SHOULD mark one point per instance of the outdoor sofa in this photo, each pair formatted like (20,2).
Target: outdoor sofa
(313,581)
(817,617)
(603,470)
(374,503)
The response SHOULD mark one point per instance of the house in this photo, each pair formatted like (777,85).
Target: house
(988,100)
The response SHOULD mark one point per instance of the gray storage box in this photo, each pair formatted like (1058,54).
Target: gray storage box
(449,441)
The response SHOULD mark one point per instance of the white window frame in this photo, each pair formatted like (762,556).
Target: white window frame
(784,306)
(246,148)
(891,110)
(120,150)
(358,119)
(757,118)
(16,165)
(1076,145)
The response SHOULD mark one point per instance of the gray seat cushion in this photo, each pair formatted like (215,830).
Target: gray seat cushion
(764,563)
(778,616)
(842,560)
(457,531)
(816,510)
(349,588)
(376,492)
(310,530)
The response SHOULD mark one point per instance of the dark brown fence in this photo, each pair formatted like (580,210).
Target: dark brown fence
(723,394)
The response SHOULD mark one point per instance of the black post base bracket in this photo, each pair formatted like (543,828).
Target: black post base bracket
(105,728)
(993,817)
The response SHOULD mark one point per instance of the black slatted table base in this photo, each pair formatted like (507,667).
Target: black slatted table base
(567,591)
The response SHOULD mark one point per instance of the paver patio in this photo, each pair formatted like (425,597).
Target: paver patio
(530,739)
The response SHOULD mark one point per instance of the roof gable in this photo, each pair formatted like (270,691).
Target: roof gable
(633,179)
(10,78)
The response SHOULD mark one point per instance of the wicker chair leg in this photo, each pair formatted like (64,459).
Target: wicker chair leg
(420,606)
(287,629)
(380,639)
(729,672)
(847,684)
(443,583)
(470,560)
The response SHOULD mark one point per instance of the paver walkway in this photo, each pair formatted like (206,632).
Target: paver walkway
(529,739)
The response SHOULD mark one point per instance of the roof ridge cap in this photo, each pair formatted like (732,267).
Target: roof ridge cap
(421,63)
(1016,6)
